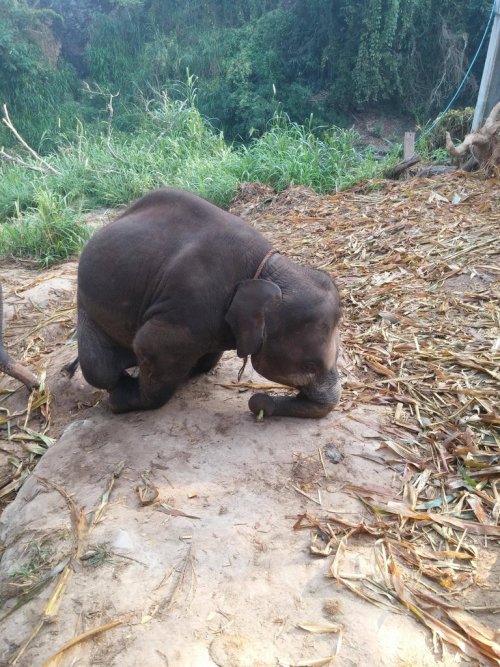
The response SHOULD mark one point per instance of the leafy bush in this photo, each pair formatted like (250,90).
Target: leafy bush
(38,88)
(456,121)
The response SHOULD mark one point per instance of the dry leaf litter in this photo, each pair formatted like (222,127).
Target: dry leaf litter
(417,264)
(32,334)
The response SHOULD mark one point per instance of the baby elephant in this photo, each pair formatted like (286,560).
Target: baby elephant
(174,281)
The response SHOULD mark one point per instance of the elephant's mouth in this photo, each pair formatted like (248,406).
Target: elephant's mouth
(325,391)
(313,402)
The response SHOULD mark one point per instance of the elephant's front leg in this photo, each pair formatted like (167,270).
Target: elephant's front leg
(165,356)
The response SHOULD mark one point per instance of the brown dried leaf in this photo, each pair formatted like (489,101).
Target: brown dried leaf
(476,630)
(320,628)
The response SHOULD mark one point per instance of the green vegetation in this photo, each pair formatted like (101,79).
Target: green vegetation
(98,555)
(37,558)
(172,145)
(457,122)
(88,83)
(291,153)
(250,56)
(48,233)
(38,86)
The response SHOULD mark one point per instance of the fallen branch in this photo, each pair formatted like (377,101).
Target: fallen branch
(20,162)
(435,170)
(395,172)
(7,121)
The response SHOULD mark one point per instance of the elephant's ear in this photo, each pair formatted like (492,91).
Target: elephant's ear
(246,316)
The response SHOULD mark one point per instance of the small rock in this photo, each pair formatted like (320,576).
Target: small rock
(333,454)
(78,424)
(123,541)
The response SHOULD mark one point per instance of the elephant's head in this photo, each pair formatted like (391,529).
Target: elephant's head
(290,328)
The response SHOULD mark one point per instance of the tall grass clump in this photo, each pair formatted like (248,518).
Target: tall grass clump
(16,190)
(172,144)
(327,160)
(47,233)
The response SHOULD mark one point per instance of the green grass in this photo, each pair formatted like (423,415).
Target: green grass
(47,233)
(98,554)
(294,154)
(171,145)
(38,558)
(16,190)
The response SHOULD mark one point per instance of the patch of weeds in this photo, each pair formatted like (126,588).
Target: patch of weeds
(441,156)
(39,557)
(16,190)
(172,145)
(48,234)
(456,121)
(97,555)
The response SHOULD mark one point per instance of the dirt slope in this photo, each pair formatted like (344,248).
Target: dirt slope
(178,525)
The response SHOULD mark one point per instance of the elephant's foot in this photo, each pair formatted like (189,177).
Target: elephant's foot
(125,396)
(132,394)
(288,406)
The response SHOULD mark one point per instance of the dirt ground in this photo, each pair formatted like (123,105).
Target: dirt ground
(170,534)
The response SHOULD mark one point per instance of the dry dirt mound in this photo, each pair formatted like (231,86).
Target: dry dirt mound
(194,536)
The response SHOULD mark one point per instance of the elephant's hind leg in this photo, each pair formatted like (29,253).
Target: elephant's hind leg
(102,361)
(165,355)
(206,363)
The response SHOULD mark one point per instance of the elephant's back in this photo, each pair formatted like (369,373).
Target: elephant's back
(168,245)
(177,213)
(166,221)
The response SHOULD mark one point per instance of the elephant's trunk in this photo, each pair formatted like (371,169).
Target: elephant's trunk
(311,404)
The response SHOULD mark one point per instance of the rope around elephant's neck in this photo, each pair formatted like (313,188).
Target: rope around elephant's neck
(260,268)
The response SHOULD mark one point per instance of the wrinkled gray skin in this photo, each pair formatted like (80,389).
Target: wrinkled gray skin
(168,286)
(8,365)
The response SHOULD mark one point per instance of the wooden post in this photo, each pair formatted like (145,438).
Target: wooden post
(489,91)
(409,145)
